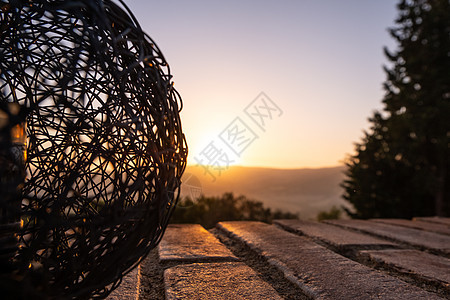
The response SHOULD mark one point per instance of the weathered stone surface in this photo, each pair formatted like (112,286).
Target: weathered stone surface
(335,236)
(422,265)
(226,280)
(319,272)
(421,225)
(438,243)
(440,220)
(192,242)
(129,287)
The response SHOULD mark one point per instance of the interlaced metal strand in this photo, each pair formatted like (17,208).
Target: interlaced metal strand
(105,146)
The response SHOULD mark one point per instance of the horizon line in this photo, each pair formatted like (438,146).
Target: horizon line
(271,167)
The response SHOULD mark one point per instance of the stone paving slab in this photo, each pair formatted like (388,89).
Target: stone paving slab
(319,272)
(422,265)
(129,287)
(435,242)
(216,281)
(337,237)
(192,243)
(421,225)
(445,221)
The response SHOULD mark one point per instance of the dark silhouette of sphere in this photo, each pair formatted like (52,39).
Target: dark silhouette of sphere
(105,149)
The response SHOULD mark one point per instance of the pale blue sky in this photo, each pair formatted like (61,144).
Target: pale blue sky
(319,61)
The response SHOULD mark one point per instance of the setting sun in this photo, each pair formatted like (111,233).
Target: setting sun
(319,62)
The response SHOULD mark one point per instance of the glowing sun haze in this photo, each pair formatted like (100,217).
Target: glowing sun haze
(319,61)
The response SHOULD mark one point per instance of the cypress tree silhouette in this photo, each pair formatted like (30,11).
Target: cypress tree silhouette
(400,168)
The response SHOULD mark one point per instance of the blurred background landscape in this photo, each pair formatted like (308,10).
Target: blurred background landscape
(305,192)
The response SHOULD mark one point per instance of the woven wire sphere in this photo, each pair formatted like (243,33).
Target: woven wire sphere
(105,149)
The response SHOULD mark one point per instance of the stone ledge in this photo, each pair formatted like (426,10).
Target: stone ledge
(129,287)
(189,254)
(416,224)
(321,273)
(192,243)
(420,239)
(336,237)
(445,221)
(413,263)
(220,281)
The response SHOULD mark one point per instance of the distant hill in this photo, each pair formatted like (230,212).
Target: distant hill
(303,191)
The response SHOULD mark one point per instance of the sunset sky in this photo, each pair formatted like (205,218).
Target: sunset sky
(318,63)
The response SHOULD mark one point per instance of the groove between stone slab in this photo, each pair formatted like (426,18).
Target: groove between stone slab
(152,281)
(266,270)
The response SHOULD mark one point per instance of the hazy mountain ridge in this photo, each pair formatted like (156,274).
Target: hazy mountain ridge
(303,191)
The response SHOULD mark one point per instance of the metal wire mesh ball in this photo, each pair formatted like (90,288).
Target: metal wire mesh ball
(105,147)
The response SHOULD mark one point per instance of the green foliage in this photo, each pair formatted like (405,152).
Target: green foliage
(400,168)
(207,211)
(333,214)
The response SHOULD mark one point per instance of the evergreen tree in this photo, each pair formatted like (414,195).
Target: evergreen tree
(400,168)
